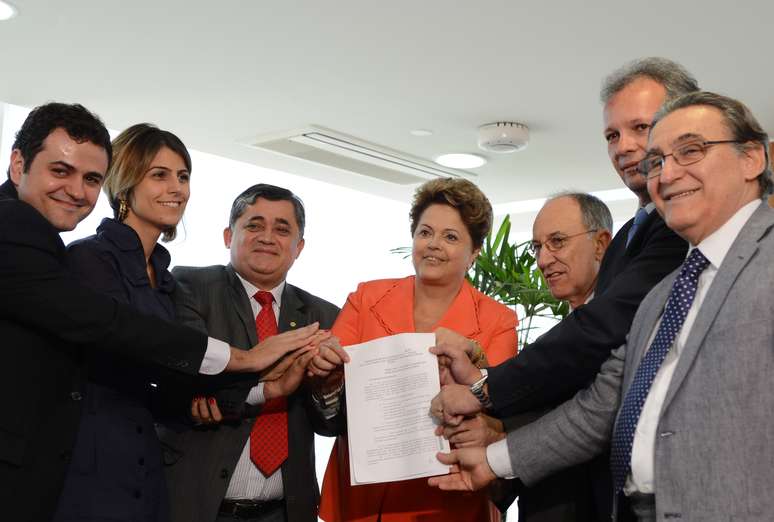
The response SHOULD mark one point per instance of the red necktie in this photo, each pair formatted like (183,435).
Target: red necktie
(269,436)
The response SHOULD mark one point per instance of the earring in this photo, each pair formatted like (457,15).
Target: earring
(123,210)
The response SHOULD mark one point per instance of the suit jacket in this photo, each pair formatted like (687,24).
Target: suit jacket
(713,458)
(47,322)
(385,307)
(566,358)
(203,459)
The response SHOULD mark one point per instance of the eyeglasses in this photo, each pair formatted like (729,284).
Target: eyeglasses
(684,155)
(554,243)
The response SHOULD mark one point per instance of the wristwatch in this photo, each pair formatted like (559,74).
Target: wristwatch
(329,400)
(477,389)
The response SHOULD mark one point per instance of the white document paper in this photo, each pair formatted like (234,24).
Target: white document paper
(389,384)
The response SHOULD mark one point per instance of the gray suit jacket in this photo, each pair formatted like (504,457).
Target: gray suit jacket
(713,455)
(202,460)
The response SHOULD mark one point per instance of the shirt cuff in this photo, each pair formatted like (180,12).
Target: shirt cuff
(256,396)
(499,460)
(215,358)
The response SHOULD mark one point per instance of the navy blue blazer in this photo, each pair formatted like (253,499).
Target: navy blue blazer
(117,459)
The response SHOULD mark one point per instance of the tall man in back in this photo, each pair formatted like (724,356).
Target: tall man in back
(567,357)
(232,471)
(687,400)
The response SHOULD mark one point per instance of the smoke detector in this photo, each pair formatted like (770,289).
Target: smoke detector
(503,137)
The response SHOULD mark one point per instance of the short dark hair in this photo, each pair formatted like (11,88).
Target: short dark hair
(272,193)
(463,196)
(738,119)
(673,76)
(79,123)
(596,215)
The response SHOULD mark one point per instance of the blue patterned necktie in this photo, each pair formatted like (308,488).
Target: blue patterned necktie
(679,302)
(639,217)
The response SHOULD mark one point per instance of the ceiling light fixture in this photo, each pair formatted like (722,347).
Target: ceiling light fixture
(7,11)
(421,132)
(461,161)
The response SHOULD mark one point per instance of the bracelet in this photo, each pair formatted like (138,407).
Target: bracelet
(478,357)
(330,399)
(477,389)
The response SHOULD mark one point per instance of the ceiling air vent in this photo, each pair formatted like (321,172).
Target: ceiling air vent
(324,146)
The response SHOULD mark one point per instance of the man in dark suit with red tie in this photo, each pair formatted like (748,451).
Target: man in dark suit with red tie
(261,465)
(48,321)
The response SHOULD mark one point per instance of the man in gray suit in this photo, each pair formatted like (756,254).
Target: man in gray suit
(232,471)
(687,401)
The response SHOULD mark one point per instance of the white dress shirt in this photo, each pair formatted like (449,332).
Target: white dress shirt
(714,247)
(248,482)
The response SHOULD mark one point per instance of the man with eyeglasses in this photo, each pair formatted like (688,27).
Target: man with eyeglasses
(566,359)
(569,238)
(687,401)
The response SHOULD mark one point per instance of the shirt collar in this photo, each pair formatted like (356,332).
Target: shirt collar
(589,298)
(251,289)
(649,207)
(716,245)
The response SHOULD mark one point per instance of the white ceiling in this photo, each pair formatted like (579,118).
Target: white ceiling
(223,73)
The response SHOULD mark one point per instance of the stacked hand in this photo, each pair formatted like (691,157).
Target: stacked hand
(269,351)
(458,410)
(470,470)
(480,430)
(284,362)
(327,366)
(454,352)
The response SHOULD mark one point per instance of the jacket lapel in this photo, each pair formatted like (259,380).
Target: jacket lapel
(459,317)
(395,309)
(292,312)
(241,305)
(742,251)
(639,236)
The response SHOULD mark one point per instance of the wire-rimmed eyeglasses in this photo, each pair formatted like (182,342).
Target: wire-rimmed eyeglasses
(555,243)
(684,155)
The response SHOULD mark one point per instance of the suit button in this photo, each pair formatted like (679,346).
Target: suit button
(139,430)
(224,473)
(76,396)
(137,494)
(141,461)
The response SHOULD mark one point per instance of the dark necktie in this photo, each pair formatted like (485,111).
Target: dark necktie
(639,217)
(269,436)
(678,303)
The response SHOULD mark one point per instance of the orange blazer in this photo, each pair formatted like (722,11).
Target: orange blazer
(385,307)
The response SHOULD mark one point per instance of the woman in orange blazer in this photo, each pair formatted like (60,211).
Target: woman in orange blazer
(449,220)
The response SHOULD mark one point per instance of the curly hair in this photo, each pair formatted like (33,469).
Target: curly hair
(473,206)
